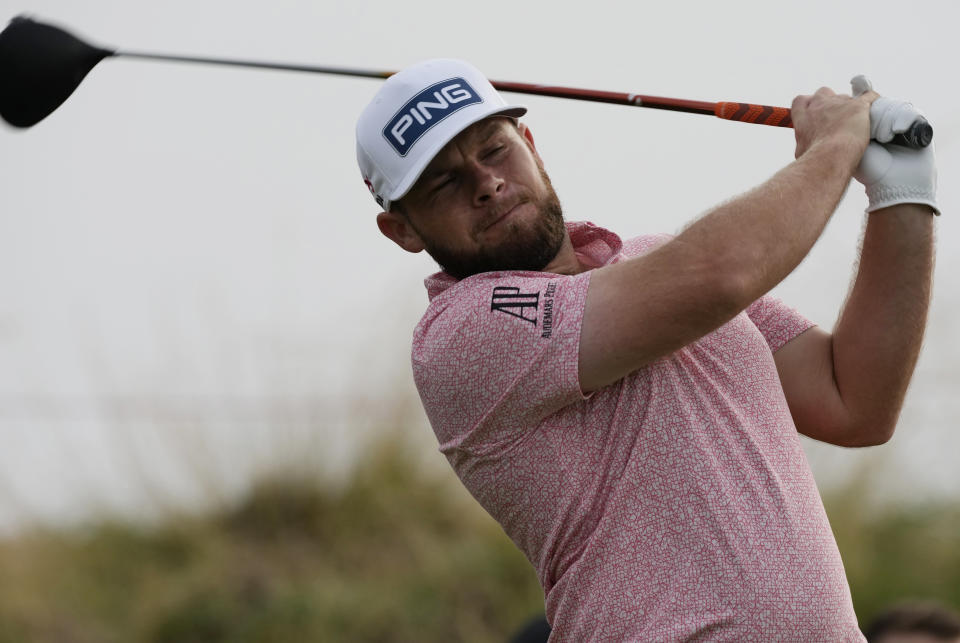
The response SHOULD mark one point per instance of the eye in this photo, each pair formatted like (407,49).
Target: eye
(443,182)
(495,150)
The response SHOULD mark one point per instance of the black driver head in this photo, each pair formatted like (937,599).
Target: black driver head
(40,66)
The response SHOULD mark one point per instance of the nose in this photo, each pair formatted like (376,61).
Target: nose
(489,184)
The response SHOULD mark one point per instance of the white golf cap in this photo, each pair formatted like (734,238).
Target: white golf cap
(416,112)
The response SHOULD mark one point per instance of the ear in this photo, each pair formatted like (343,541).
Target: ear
(528,138)
(395,227)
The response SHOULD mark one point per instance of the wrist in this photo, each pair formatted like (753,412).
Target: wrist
(843,149)
(907,209)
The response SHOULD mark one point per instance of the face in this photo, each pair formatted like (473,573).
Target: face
(485,203)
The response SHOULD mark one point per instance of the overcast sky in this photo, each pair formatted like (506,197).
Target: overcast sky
(202,232)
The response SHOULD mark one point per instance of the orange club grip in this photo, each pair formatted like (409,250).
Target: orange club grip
(762,114)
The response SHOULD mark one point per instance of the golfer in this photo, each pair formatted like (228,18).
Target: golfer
(628,409)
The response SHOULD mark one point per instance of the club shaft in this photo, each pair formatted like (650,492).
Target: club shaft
(593,95)
(313,69)
(919,135)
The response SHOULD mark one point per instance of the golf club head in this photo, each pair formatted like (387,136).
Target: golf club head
(40,66)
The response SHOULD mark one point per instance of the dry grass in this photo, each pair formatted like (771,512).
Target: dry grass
(397,553)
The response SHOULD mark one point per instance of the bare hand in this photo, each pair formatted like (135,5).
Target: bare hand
(830,117)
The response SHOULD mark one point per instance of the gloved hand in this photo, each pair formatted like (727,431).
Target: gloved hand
(888,116)
(893,174)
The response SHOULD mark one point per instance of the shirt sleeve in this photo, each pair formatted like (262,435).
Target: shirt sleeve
(777,322)
(497,353)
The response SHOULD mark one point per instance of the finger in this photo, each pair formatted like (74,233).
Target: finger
(889,117)
(882,117)
(904,117)
(860,85)
(800,102)
(825,91)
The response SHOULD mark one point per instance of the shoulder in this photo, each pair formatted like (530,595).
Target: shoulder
(499,350)
(513,306)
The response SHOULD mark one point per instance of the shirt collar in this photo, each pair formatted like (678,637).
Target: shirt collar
(595,247)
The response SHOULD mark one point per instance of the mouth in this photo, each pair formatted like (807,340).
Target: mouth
(505,215)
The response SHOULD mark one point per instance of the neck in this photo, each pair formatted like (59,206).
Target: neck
(566,262)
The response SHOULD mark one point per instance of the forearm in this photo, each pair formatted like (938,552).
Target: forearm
(759,238)
(711,271)
(877,339)
(647,307)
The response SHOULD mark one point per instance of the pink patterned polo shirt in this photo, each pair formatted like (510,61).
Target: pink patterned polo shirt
(673,505)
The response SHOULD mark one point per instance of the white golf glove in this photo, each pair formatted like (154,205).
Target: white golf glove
(893,174)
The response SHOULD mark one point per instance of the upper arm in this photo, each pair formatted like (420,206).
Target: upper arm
(805,366)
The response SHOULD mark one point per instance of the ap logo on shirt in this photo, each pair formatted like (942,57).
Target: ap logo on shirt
(509,300)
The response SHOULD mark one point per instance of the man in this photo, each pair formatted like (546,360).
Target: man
(628,410)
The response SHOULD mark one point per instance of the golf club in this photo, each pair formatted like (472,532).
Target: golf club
(42,65)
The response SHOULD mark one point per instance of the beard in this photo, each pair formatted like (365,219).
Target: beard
(526,246)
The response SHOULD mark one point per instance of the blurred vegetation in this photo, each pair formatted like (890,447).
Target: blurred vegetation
(896,552)
(398,553)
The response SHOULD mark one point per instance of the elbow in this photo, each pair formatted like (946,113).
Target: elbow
(871,433)
(732,291)
(857,423)
(851,431)
(879,435)
(870,439)
(877,427)
(737,278)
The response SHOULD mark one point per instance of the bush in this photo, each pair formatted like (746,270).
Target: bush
(395,555)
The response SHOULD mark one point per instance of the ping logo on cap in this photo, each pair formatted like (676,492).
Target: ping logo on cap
(425,110)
